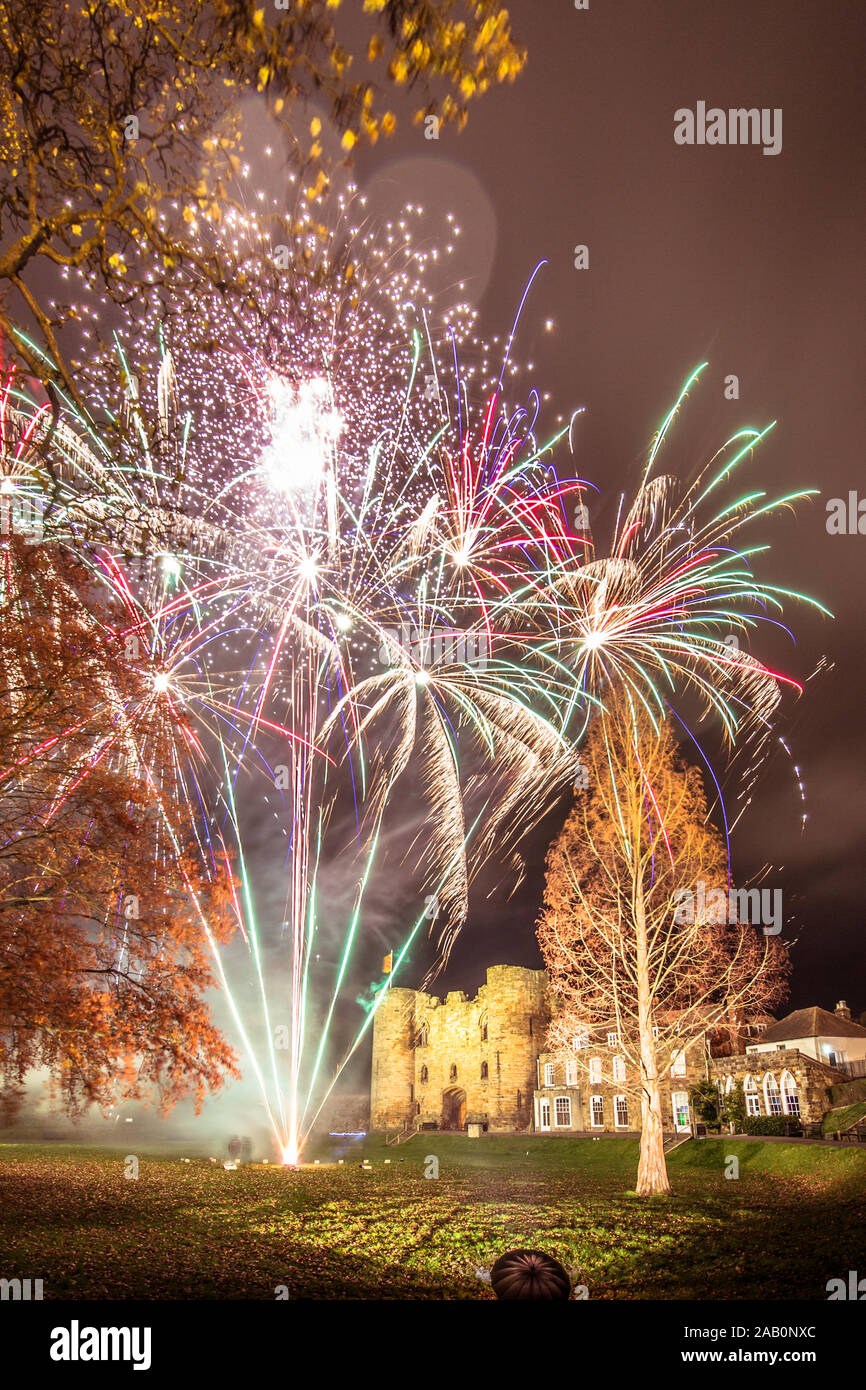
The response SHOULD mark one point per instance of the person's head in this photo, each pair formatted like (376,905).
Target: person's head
(529,1274)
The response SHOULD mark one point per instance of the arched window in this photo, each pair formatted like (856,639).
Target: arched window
(790,1095)
(423,1036)
(483,1071)
(595,1071)
(423,1073)
(772,1095)
(453,1072)
(753,1101)
(729,1085)
(484,1028)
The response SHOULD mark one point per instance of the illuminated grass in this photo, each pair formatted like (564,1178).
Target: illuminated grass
(793,1220)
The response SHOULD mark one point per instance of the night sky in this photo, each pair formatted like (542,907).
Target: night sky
(719,253)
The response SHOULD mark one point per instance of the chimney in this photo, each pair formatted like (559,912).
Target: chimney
(842,1010)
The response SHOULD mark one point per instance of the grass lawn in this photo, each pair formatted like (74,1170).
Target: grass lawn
(794,1218)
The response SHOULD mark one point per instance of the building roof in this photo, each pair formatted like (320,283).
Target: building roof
(812,1023)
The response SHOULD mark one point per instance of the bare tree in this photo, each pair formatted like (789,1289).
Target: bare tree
(621,950)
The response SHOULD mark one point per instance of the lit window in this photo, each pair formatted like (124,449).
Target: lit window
(562,1112)
(613,1039)
(596,1106)
(548,1074)
(678,1064)
(772,1096)
(620,1112)
(680,1103)
(619,1069)
(571,1073)
(790,1095)
(595,1071)
(580,1041)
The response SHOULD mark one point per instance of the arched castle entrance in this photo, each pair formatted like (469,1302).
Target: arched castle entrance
(453,1109)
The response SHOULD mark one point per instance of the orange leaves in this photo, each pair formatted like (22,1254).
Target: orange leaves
(101,954)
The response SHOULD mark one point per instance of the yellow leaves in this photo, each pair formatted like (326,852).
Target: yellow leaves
(467,85)
(375,48)
(189,215)
(75,229)
(349,140)
(389,121)
(420,53)
(315,149)
(374,6)
(278,105)
(259,19)
(398,68)
(264,76)
(319,186)
(315,126)
(117,263)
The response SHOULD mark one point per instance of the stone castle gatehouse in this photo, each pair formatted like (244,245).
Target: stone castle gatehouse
(447,1063)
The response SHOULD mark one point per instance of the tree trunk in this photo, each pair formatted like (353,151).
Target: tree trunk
(652,1172)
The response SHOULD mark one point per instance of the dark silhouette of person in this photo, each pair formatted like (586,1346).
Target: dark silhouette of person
(521,1274)
(234,1148)
(246,1150)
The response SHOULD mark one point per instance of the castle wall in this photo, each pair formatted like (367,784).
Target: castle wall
(518,1018)
(458,1060)
(392,1099)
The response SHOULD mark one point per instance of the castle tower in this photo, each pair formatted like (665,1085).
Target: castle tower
(518,1013)
(392,1094)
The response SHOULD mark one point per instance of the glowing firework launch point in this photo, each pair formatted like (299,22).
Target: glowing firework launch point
(305,427)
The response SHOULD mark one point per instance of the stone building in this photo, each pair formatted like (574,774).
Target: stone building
(597,1091)
(458,1062)
(447,1063)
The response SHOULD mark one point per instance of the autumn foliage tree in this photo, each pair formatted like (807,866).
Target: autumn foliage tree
(613,933)
(120,134)
(104,910)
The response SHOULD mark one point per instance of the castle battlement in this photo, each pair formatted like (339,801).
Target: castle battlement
(450,1061)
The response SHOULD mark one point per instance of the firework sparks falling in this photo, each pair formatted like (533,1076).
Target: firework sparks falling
(351,559)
